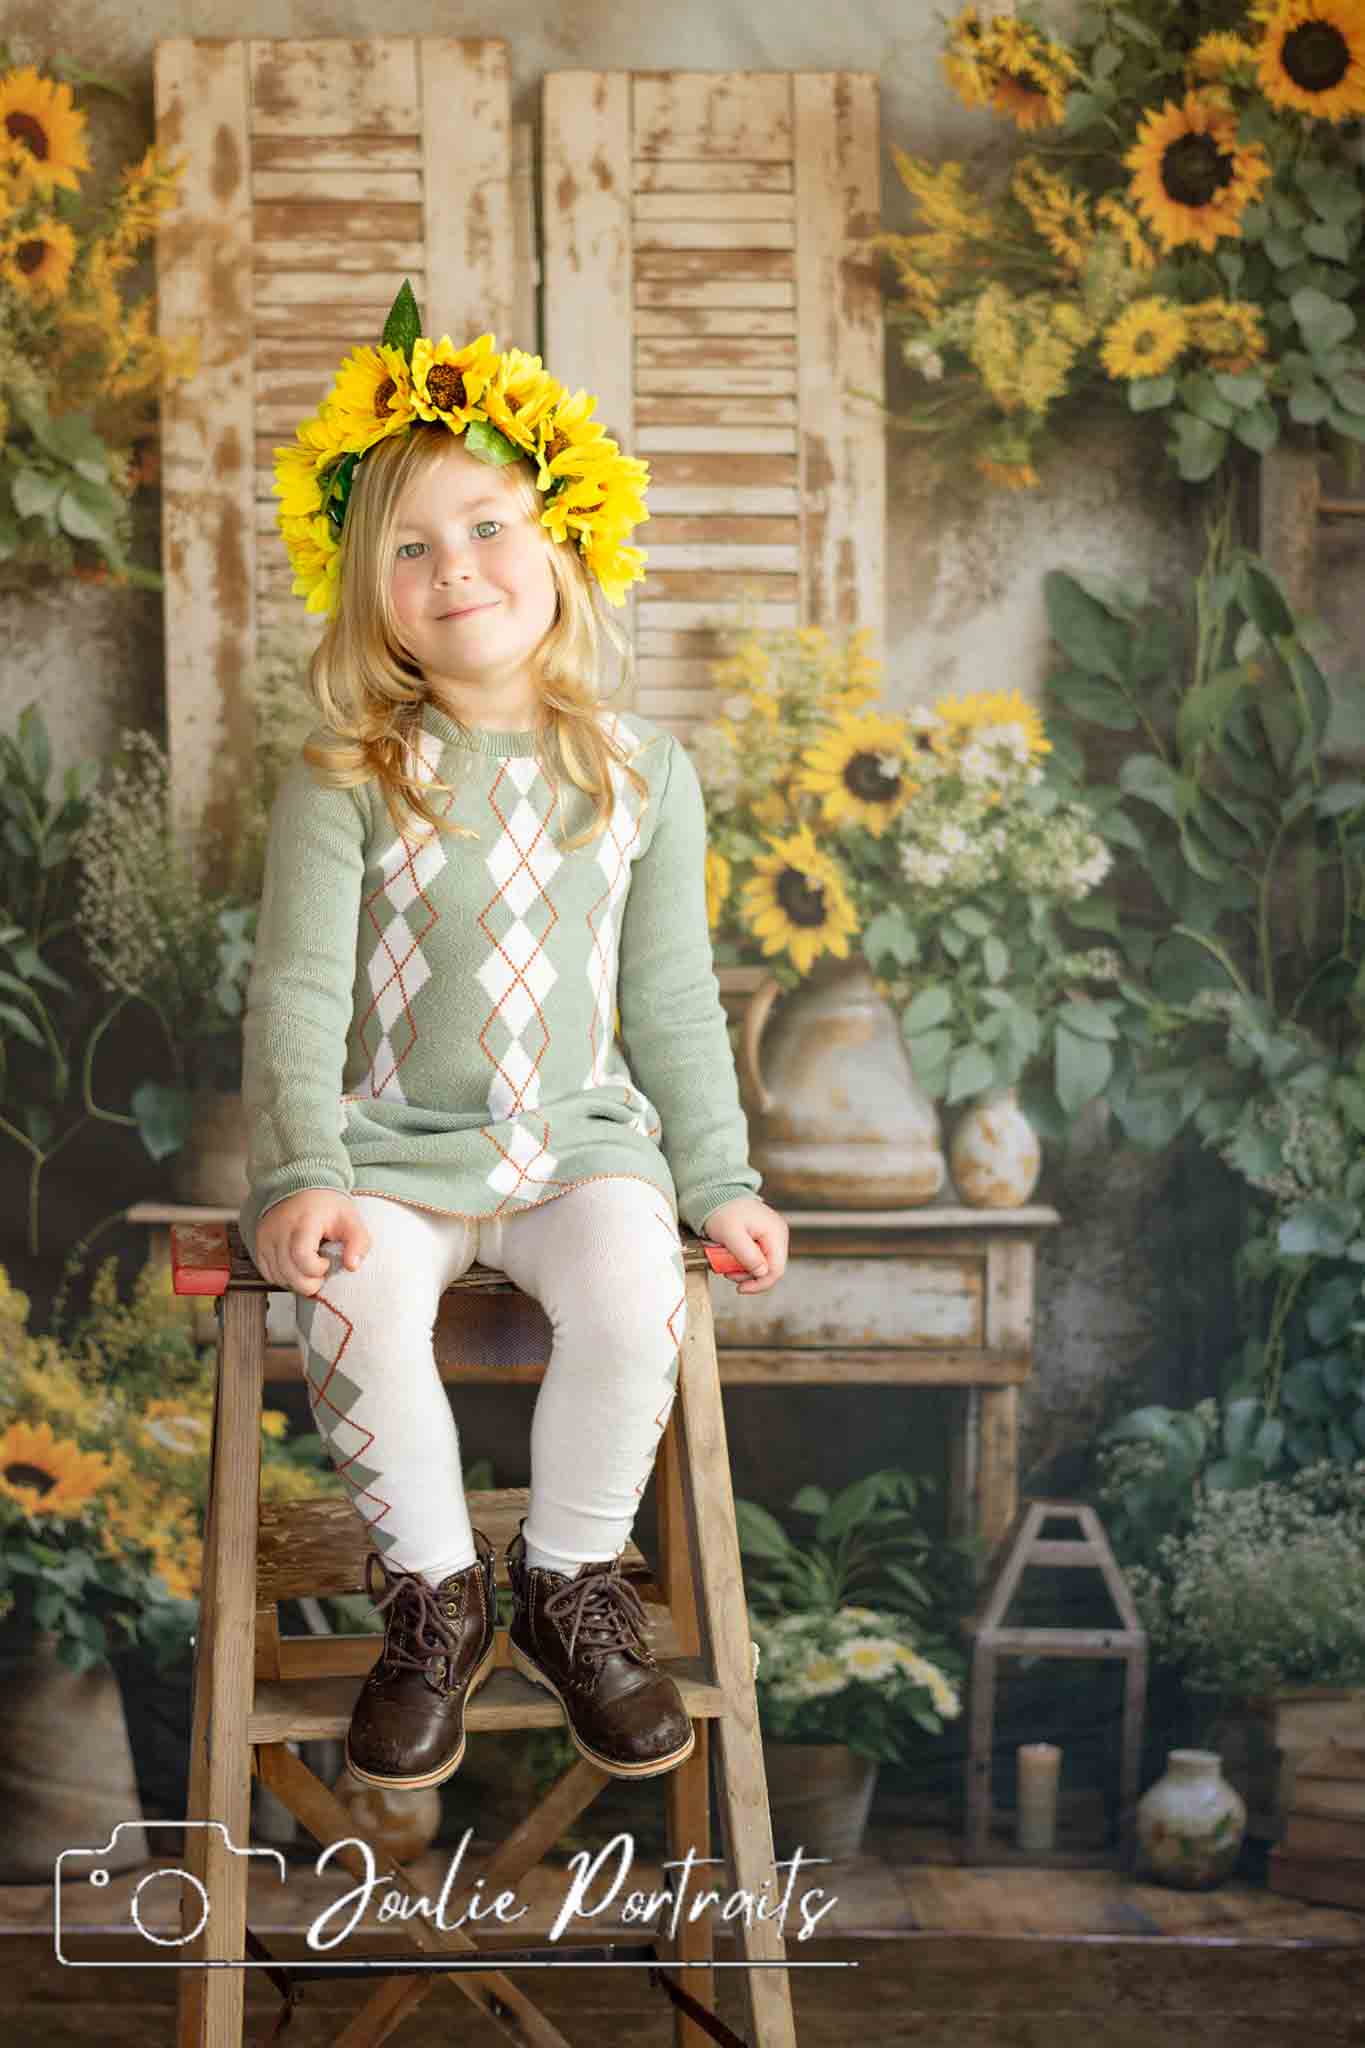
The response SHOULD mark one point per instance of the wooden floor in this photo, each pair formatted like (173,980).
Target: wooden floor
(986,1957)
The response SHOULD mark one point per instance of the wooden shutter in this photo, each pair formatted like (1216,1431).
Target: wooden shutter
(318,174)
(703,274)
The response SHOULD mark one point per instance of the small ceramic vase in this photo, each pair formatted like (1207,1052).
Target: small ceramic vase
(995,1157)
(1190,1824)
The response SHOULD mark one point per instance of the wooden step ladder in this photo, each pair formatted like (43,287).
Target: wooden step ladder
(256,1690)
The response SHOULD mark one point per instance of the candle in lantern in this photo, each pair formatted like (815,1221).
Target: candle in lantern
(1040,1766)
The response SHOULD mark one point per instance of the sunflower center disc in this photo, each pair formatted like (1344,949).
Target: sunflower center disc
(29,256)
(1316,56)
(30,1475)
(1194,170)
(866,778)
(803,900)
(23,128)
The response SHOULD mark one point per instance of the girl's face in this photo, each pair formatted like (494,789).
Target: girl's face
(470,585)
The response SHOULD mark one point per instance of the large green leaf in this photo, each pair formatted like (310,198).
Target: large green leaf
(1088,633)
(1081,1067)
(1322,321)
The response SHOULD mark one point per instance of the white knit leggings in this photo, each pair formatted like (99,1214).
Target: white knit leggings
(605,1263)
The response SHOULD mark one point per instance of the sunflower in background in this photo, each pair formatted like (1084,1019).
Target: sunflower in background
(42,134)
(1312,58)
(37,262)
(46,1475)
(1191,176)
(859,771)
(1146,339)
(795,902)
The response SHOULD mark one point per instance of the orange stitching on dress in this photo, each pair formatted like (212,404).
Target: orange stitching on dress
(521,1171)
(593,935)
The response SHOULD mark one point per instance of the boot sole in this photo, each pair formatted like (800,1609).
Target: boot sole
(653,1769)
(482,1671)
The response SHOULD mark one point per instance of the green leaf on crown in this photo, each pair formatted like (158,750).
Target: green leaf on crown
(484,441)
(404,323)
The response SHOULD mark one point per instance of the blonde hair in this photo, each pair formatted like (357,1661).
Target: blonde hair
(370,692)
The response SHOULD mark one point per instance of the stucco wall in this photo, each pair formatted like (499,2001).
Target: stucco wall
(964,566)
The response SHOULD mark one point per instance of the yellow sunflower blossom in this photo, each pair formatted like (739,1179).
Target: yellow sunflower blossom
(1146,339)
(718,876)
(1031,74)
(1311,58)
(41,132)
(448,383)
(518,395)
(37,263)
(569,440)
(796,903)
(962,59)
(858,771)
(772,808)
(1137,249)
(1191,177)
(1213,56)
(372,398)
(298,484)
(937,190)
(1229,332)
(964,718)
(45,1474)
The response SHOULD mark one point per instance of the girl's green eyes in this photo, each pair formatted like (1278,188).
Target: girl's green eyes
(486,529)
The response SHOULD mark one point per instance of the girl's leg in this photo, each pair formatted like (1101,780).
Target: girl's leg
(605,1263)
(375,1392)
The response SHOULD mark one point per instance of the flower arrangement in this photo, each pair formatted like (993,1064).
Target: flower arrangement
(156,933)
(1182,233)
(104,1459)
(838,1619)
(80,364)
(934,841)
(854,1677)
(1264,1587)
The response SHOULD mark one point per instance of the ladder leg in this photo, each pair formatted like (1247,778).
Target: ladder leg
(687,1791)
(980,1737)
(210,2001)
(725,1620)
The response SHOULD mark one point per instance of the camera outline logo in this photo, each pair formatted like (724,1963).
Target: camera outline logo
(99,1878)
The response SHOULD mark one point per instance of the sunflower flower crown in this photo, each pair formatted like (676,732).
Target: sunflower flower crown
(506,406)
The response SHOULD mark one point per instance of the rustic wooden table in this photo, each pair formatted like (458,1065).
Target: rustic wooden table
(941,1296)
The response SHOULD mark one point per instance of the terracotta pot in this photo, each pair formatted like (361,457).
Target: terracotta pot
(837,1118)
(209,1170)
(1190,1824)
(66,1769)
(819,1795)
(995,1157)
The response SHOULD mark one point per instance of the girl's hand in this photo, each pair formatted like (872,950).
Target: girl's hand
(756,1235)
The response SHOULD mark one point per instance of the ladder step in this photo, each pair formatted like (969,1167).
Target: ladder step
(318,1546)
(309,1710)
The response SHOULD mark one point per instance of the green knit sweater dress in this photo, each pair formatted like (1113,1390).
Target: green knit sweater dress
(431,1018)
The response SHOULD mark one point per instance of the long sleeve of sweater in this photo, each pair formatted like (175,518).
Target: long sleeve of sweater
(299,998)
(673,1026)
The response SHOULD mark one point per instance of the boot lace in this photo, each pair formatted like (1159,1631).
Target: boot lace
(605,1611)
(417,1628)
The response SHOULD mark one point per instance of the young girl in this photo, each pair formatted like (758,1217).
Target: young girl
(472,868)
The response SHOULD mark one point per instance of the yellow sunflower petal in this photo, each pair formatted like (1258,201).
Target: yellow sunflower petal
(41,131)
(1311,58)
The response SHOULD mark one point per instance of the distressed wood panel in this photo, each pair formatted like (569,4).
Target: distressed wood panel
(739,378)
(294,288)
(847,1302)
(672,674)
(725,584)
(343,154)
(689,174)
(203,265)
(340,168)
(307,185)
(352,253)
(466,165)
(714,234)
(732,206)
(334,86)
(755,532)
(720,554)
(748,265)
(716,440)
(704,470)
(731,293)
(840,326)
(710,115)
(711,617)
(717,320)
(335,220)
(697,352)
(699,410)
(666,499)
(708,645)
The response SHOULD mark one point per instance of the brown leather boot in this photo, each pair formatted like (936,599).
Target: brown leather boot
(583,1639)
(408,1725)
